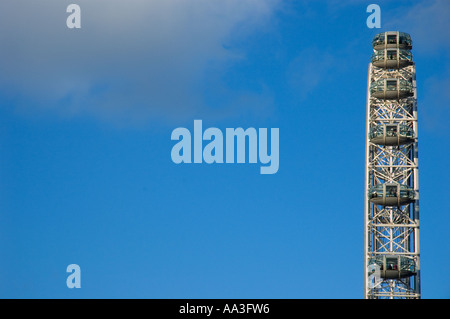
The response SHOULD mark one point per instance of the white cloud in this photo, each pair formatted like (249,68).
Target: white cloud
(429,25)
(427,22)
(132,59)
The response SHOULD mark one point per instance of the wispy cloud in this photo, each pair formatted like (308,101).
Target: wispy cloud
(429,25)
(132,60)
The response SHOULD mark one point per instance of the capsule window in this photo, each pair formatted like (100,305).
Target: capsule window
(391,54)
(391,130)
(404,39)
(391,85)
(392,39)
(391,191)
(391,263)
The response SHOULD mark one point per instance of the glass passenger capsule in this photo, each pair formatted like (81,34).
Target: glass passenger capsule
(392,58)
(390,89)
(392,266)
(392,39)
(391,134)
(391,194)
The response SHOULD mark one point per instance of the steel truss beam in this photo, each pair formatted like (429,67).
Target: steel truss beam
(392,230)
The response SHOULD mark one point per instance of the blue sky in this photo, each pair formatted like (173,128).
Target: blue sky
(86,175)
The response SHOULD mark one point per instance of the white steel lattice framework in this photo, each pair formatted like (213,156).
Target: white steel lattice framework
(392,254)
